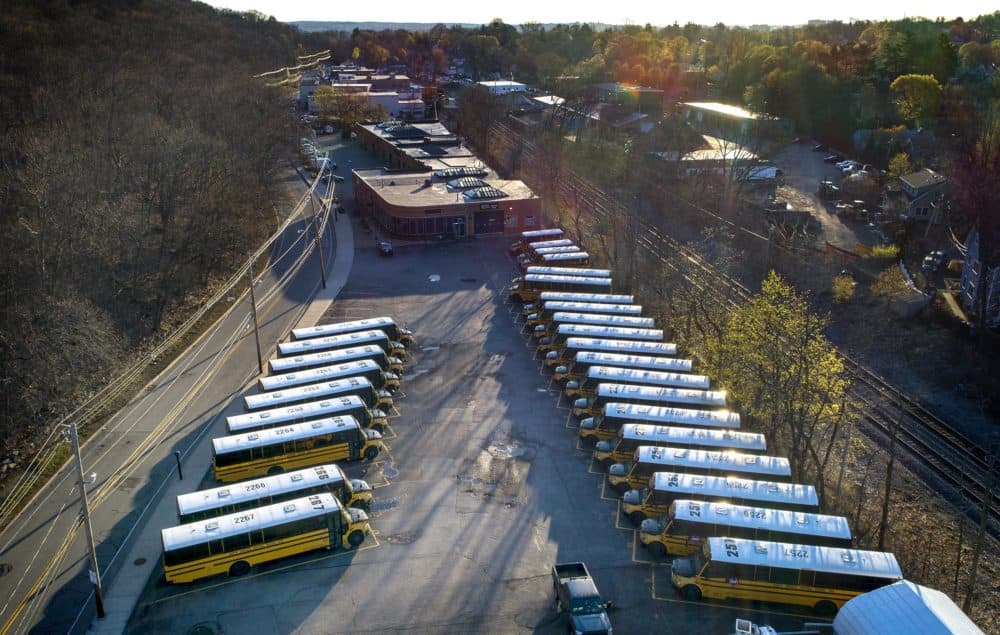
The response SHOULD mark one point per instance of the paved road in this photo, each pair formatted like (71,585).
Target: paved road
(803,169)
(482,490)
(133,456)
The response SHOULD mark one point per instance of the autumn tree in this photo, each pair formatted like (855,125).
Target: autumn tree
(344,108)
(783,374)
(918,97)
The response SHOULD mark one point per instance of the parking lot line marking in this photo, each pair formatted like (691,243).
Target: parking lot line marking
(569,420)
(635,544)
(590,466)
(604,491)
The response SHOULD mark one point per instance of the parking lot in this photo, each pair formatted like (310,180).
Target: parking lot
(482,490)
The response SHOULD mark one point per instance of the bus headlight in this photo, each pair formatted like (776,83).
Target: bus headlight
(588,423)
(618,469)
(603,446)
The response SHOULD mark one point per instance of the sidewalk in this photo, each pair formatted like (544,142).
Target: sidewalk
(124,591)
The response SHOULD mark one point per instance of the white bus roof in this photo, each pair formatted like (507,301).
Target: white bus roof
(569,255)
(344,340)
(665,414)
(541,233)
(246,521)
(592,307)
(612,332)
(543,244)
(324,330)
(602,298)
(239,493)
(876,564)
(665,394)
(624,360)
(761,465)
(570,271)
(604,319)
(335,371)
(568,249)
(626,375)
(594,282)
(808,524)
(277,416)
(733,487)
(729,439)
(903,607)
(324,357)
(597,344)
(293,432)
(350,385)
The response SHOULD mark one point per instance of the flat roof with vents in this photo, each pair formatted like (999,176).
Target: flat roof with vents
(459,171)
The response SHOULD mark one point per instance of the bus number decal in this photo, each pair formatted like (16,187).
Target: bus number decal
(249,487)
(797,553)
(673,481)
(732,549)
(245,518)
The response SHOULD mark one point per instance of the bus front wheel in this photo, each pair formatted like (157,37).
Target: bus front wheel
(238,568)
(356,537)
(371,453)
(379,427)
(274,470)
(691,593)
(826,608)
(657,549)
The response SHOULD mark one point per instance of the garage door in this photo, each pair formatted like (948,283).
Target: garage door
(488,222)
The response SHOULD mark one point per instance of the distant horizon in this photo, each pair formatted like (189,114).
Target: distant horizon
(639,12)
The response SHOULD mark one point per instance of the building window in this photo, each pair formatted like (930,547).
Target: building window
(529,221)
(510,219)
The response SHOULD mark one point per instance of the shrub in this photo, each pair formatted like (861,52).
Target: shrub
(888,251)
(843,289)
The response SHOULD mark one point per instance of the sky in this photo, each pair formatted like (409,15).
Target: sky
(657,12)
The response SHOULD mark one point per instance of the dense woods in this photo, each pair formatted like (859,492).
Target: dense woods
(136,168)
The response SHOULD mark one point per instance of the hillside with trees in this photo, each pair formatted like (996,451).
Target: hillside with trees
(138,158)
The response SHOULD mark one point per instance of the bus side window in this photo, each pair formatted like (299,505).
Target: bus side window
(744,572)
(239,541)
(215,546)
(784,576)
(717,570)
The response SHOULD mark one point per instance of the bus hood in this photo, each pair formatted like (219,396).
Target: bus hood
(530,307)
(532,316)
(391,375)
(395,360)
(552,355)
(589,423)
(632,497)
(545,340)
(384,394)
(360,485)
(357,515)
(572,384)
(651,526)
(603,446)
(683,567)
(540,328)
(582,402)
(618,469)
(372,435)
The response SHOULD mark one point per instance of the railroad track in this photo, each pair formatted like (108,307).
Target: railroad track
(930,442)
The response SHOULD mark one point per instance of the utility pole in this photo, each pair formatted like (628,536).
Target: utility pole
(319,246)
(95,572)
(883,526)
(253,310)
(984,517)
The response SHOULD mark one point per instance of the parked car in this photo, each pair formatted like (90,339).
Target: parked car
(384,248)
(338,179)
(933,261)
(820,147)
(833,158)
